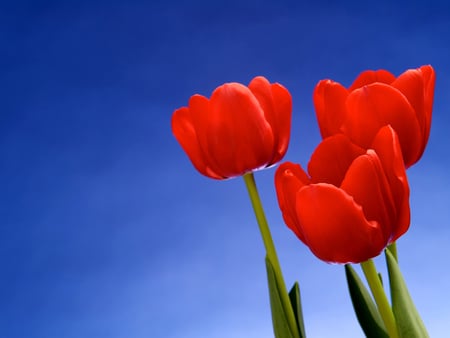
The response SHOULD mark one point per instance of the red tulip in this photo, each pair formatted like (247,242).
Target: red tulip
(354,201)
(239,129)
(376,99)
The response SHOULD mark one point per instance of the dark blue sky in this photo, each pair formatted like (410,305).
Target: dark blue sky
(106,230)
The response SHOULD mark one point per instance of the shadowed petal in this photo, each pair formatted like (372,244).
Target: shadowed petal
(332,158)
(289,178)
(387,147)
(185,134)
(372,76)
(366,182)
(329,102)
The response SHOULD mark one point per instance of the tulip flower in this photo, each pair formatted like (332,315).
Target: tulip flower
(238,130)
(353,203)
(376,99)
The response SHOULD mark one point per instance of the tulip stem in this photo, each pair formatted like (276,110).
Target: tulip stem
(384,308)
(393,249)
(270,249)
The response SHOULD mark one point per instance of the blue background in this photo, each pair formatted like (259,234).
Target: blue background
(106,230)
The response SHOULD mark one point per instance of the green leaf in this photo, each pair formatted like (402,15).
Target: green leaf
(280,322)
(408,320)
(366,311)
(381,278)
(294,296)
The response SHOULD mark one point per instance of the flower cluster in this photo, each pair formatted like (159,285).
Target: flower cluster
(353,200)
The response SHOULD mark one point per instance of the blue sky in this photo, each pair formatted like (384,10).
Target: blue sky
(106,230)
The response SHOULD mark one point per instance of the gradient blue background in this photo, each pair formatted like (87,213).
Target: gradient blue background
(106,230)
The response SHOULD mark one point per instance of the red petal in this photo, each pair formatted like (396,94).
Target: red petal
(372,76)
(374,106)
(418,86)
(260,88)
(289,179)
(334,226)
(332,158)
(282,128)
(429,79)
(186,135)
(235,133)
(387,147)
(329,102)
(366,182)
(276,103)
(199,108)
(411,84)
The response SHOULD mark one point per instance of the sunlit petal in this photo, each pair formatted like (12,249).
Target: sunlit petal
(335,227)
(374,106)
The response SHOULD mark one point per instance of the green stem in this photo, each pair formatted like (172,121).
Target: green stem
(379,295)
(270,248)
(393,249)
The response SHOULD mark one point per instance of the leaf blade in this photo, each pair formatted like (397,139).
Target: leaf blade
(294,296)
(409,322)
(279,319)
(365,309)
